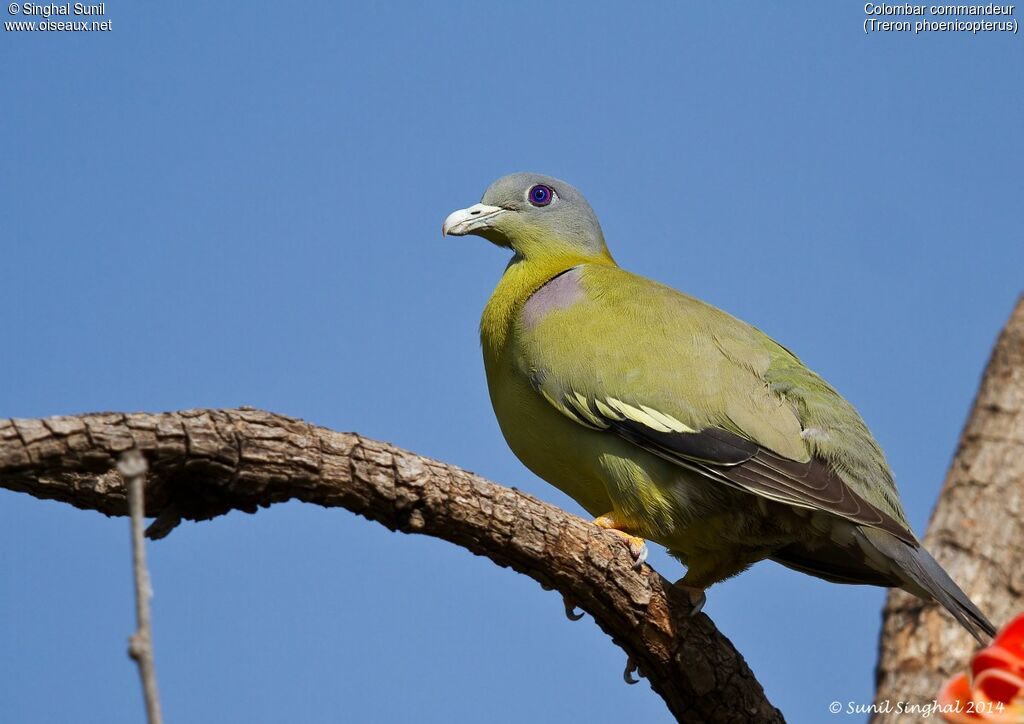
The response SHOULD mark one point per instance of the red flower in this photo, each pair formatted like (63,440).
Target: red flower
(995,690)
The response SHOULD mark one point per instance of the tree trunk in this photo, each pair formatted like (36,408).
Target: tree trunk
(976,533)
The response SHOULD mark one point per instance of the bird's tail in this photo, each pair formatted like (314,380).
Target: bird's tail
(922,575)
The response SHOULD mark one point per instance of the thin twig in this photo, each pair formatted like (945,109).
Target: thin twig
(132,467)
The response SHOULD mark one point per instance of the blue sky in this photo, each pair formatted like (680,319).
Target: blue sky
(205,207)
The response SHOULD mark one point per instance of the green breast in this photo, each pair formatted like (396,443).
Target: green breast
(548,443)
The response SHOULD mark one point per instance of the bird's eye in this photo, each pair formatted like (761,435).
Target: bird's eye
(541,195)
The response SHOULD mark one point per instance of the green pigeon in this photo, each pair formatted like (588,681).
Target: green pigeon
(670,420)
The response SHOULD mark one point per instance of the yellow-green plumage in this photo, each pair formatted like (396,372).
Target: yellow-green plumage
(683,424)
(657,349)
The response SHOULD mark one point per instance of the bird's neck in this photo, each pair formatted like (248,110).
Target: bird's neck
(523,276)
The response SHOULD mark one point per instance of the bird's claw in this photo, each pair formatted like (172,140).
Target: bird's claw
(570,609)
(697,597)
(698,602)
(638,550)
(637,546)
(627,675)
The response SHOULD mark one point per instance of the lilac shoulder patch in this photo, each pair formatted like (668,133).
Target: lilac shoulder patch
(559,293)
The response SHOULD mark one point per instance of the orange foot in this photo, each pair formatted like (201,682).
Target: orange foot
(637,546)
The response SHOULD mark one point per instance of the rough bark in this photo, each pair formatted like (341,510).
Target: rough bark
(204,463)
(976,533)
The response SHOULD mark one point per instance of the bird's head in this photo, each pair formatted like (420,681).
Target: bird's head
(535,216)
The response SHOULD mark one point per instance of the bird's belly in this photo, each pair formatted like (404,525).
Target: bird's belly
(553,447)
(606,474)
(736,521)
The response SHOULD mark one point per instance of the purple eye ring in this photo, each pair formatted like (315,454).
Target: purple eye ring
(541,195)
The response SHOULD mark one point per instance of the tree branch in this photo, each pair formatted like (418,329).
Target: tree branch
(204,463)
(976,533)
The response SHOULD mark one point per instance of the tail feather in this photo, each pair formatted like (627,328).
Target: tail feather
(922,575)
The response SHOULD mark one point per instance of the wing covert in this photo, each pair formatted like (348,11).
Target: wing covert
(694,386)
